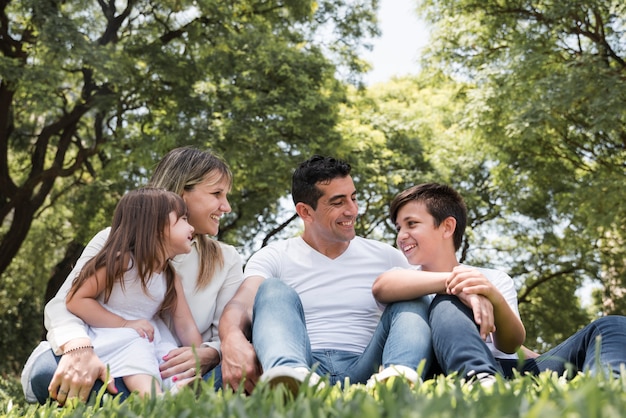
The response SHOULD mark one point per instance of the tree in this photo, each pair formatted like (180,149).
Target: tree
(92,94)
(548,100)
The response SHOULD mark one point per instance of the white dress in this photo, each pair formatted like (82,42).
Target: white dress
(122,349)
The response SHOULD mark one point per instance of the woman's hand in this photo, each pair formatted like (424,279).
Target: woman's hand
(76,373)
(181,362)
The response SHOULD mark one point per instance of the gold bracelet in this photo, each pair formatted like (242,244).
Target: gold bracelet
(82,347)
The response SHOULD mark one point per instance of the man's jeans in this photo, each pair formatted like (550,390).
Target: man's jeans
(280,338)
(46,364)
(598,347)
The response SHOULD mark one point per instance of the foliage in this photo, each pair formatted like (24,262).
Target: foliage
(544,395)
(548,109)
(92,94)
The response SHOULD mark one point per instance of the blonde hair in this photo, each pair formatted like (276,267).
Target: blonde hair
(181,170)
(138,239)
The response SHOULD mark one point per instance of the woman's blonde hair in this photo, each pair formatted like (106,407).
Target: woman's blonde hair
(181,170)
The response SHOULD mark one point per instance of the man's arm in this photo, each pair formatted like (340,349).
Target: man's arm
(238,356)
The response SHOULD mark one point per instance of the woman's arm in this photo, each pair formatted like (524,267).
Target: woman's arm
(406,284)
(76,372)
(62,325)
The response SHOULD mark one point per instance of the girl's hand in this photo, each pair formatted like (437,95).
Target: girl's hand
(143,327)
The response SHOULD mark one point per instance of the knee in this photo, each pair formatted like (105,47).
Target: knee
(416,306)
(611,323)
(276,292)
(448,309)
(274,289)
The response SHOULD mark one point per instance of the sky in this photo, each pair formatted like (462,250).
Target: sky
(395,53)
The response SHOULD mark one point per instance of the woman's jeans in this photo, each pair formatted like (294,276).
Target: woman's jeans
(598,347)
(46,364)
(280,338)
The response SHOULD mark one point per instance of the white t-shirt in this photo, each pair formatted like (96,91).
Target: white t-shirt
(340,310)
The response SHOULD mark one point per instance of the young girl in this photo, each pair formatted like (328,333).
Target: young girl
(122,292)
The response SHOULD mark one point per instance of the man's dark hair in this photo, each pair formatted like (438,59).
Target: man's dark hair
(317,169)
(441,202)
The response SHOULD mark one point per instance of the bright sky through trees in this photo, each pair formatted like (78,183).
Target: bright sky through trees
(396,52)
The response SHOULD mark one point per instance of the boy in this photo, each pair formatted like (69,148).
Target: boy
(475,323)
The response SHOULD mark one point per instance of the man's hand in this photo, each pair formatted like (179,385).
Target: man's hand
(239,362)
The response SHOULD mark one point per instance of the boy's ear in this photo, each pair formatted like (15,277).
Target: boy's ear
(449,226)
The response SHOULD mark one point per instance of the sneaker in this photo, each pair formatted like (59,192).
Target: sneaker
(486,380)
(290,377)
(408,374)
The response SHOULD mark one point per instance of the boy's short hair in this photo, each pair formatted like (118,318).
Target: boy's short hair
(441,202)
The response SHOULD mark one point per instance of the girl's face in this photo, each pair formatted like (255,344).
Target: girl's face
(207,202)
(179,235)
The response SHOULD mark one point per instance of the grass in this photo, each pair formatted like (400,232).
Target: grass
(546,395)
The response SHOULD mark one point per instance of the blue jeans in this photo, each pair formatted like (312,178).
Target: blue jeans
(280,338)
(45,366)
(458,346)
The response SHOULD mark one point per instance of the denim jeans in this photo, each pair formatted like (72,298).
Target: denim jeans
(45,366)
(598,347)
(279,336)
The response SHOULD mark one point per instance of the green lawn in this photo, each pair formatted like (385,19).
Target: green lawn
(544,396)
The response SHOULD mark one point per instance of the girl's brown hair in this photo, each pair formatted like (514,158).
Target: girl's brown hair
(137,239)
(181,170)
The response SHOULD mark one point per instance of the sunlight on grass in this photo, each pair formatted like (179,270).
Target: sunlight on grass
(546,395)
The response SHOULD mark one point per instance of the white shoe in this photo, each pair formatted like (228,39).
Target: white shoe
(407,373)
(486,380)
(291,377)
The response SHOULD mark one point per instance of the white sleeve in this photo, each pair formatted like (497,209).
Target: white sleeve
(265,263)
(62,325)
(507,288)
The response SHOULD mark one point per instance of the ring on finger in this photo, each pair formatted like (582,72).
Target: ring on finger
(192,370)
(62,392)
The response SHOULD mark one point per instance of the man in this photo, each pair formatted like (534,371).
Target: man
(306,302)
(468,337)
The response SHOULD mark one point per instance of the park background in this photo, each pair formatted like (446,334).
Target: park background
(519,105)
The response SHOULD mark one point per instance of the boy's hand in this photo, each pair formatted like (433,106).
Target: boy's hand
(470,281)
(483,312)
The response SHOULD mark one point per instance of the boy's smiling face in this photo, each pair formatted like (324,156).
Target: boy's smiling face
(418,238)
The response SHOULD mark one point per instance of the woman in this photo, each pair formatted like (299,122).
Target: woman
(210,274)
